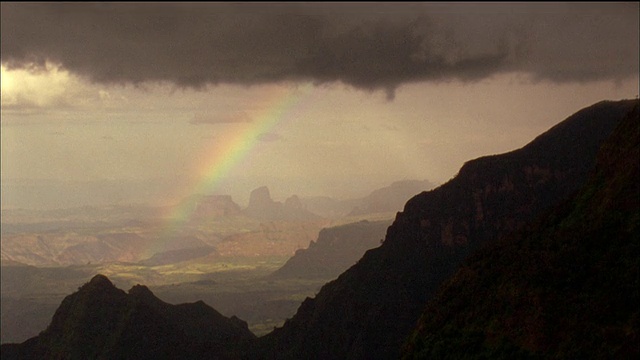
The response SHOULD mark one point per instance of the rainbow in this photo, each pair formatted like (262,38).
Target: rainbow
(222,155)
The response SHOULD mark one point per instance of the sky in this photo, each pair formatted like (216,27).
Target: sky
(126,103)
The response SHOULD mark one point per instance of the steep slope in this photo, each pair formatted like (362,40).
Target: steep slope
(567,287)
(100,321)
(370,309)
(336,249)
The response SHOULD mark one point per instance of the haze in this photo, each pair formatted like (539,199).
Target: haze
(150,103)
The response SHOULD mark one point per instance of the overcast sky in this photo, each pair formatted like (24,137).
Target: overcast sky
(124,102)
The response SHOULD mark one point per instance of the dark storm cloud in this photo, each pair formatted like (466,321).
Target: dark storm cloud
(369,46)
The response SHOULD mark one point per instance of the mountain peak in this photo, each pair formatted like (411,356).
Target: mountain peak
(260,197)
(293,202)
(99,291)
(100,321)
(100,281)
(100,287)
(99,278)
(141,292)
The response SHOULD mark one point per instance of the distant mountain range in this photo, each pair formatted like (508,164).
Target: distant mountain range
(388,199)
(537,248)
(262,207)
(109,234)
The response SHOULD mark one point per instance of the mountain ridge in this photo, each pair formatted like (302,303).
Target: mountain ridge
(369,310)
(564,287)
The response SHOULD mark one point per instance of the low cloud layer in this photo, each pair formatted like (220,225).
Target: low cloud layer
(370,46)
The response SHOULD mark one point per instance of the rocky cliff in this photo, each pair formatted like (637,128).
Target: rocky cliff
(336,250)
(565,287)
(368,312)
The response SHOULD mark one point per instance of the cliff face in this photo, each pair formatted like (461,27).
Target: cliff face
(336,250)
(100,321)
(565,287)
(370,309)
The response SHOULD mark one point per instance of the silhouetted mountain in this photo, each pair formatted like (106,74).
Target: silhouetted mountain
(100,321)
(565,288)
(262,207)
(336,249)
(369,311)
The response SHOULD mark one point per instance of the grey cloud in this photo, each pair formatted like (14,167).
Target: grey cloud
(370,46)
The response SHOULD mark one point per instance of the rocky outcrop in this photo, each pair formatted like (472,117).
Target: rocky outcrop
(216,206)
(260,201)
(262,207)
